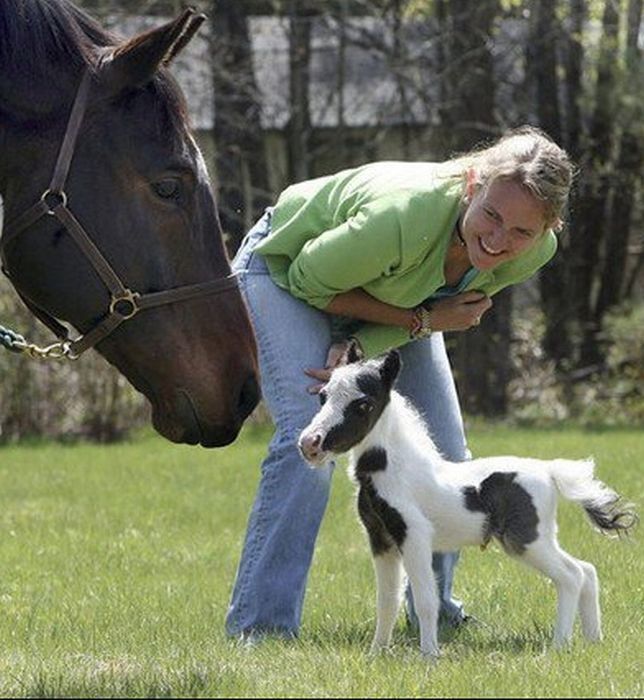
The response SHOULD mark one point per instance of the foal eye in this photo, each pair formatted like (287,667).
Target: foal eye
(170,188)
(364,406)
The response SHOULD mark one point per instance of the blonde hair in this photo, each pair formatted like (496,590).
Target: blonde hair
(529,157)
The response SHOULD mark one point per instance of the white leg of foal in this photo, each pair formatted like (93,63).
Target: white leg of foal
(389,580)
(567,576)
(589,611)
(417,559)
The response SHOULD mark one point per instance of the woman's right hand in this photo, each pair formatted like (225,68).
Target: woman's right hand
(340,353)
(460,312)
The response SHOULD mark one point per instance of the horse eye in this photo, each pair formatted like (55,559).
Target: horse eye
(169,188)
(364,406)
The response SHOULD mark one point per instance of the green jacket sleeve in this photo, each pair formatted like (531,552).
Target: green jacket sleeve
(375,338)
(364,247)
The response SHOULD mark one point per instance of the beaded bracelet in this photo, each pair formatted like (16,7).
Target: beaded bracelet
(421,324)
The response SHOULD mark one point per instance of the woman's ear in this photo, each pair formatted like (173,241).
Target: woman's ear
(470,184)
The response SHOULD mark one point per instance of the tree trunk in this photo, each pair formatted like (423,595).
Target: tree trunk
(573,66)
(628,174)
(482,355)
(240,162)
(541,62)
(299,126)
(482,360)
(588,232)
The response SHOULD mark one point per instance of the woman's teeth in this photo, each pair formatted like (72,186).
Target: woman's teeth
(488,250)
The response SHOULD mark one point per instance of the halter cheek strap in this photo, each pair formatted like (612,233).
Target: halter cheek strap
(124,303)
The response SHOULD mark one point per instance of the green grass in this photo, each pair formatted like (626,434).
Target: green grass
(117,564)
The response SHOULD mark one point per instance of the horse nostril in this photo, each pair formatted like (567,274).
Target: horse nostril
(248,397)
(317,439)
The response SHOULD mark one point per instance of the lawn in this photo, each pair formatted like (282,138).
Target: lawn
(117,564)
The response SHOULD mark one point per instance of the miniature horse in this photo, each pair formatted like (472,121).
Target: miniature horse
(108,211)
(412,501)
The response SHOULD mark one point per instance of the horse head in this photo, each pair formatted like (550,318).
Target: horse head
(137,184)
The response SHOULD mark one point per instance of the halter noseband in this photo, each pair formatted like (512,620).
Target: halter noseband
(125,303)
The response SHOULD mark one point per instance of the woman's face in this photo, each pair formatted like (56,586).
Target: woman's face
(502,221)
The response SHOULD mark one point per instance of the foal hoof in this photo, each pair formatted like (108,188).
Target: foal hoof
(379,649)
(431,656)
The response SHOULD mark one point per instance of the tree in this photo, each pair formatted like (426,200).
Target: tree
(300,16)
(591,221)
(482,361)
(628,171)
(241,172)
(542,68)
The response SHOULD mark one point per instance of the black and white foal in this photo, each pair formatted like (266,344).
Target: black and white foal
(413,502)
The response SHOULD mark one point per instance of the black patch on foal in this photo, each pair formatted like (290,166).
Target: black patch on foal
(510,513)
(360,415)
(383,523)
(372,460)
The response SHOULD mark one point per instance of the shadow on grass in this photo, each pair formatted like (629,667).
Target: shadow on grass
(471,638)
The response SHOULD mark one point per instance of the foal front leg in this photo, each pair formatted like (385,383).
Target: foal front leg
(417,559)
(388,568)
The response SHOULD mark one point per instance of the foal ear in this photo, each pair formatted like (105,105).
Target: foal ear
(390,368)
(354,353)
(135,62)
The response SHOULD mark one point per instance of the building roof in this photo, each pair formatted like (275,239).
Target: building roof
(372,94)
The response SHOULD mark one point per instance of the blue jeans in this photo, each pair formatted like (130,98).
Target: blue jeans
(291,499)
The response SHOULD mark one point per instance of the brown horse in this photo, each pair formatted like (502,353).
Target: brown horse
(136,185)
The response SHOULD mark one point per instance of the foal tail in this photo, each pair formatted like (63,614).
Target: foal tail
(605,508)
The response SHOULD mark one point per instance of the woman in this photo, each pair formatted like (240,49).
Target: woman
(390,255)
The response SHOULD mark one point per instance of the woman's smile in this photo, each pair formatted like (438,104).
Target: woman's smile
(489,250)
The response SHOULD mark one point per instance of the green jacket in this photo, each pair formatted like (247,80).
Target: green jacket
(384,227)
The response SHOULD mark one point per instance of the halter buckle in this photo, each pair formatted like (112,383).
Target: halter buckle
(119,305)
(60,198)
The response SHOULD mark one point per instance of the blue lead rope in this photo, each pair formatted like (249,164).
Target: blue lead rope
(11,340)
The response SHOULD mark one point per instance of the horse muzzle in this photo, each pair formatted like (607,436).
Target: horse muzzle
(181,418)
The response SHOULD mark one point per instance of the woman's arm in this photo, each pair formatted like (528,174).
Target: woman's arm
(356,303)
(457,313)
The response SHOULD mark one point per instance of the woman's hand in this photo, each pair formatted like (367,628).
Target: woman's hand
(460,312)
(339,354)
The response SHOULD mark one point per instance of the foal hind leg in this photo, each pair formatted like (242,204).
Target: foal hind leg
(389,579)
(567,575)
(589,611)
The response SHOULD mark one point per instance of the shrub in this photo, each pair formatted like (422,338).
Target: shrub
(60,399)
(612,394)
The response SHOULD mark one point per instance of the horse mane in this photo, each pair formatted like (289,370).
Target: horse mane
(37,36)
(38,33)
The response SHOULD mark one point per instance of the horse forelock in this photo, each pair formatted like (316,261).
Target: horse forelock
(170,96)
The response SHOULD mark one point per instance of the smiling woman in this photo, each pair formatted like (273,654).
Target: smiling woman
(375,257)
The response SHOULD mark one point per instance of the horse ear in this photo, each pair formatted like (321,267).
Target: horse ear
(390,367)
(135,62)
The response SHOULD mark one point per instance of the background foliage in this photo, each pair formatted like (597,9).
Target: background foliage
(353,80)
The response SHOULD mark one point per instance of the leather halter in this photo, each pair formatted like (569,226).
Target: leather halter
(125,303)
